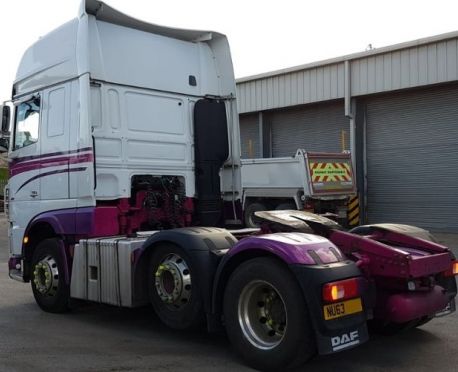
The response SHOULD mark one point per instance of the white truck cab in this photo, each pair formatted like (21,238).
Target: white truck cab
(105,114)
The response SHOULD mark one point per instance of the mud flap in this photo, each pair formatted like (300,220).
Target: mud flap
(343,332)
(342,340)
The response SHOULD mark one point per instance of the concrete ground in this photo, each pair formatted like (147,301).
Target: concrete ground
(103,338)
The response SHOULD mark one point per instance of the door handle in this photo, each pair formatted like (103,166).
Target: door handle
(34,194)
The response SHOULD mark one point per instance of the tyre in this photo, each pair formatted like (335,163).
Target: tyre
(266,316)
(250,219)
(173,288)
(285,207)
(51,292)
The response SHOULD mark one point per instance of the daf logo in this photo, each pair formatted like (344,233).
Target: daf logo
(346,340)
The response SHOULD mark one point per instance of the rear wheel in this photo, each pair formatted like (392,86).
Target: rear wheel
(173,288)
(49,288)
(250,219)
(266,316)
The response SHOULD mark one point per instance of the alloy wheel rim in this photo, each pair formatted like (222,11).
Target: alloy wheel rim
(172,280)
(262,315)
(46,276)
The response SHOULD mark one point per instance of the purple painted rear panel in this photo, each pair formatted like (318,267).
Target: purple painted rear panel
(385,259)
(292,248)
(403,307)
(85,220)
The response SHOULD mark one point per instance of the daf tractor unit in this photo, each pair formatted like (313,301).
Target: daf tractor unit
(124,169)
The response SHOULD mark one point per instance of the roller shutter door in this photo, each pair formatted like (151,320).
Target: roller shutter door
(313,128)
(412,158)
(249,136)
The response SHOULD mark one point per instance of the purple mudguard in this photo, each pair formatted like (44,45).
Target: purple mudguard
(292,248)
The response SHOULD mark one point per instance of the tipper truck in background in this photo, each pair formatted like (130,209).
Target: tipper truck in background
(124,167)
(315,182)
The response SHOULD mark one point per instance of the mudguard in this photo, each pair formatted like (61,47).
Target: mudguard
(314,261)
(290,248)
(341,333)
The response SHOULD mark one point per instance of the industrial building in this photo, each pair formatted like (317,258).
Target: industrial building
(395,108)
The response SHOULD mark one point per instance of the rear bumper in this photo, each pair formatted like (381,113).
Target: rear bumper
(406,306)
(341,333)
(403,307)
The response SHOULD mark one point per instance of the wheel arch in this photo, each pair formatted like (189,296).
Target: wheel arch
(163,237)
(198,244)
(35,233)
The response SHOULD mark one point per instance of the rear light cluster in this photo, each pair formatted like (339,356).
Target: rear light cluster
(341,290)
(453,270)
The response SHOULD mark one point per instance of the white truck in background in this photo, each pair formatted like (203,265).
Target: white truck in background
(315,182)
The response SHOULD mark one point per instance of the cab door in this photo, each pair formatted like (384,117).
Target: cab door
(24,169)
(54,147)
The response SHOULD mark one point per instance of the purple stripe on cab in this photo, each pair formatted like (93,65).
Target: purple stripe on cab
(51,173)
(41,156)
(46,163)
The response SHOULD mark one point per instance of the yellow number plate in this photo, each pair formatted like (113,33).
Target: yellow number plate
(342,308)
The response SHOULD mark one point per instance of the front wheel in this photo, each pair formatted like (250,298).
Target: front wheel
(266,316)
(49,288)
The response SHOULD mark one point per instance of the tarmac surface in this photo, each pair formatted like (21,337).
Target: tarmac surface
(104,338)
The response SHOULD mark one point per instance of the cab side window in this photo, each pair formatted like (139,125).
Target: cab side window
(27,123)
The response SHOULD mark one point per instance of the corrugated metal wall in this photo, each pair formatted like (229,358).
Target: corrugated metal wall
(412,158)
(312,127)
(312,85)
(391,68)
(421,65)
(249,135)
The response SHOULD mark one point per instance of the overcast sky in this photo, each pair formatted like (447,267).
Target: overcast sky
(264,35)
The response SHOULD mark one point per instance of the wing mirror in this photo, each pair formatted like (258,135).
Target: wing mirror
(4,144)
(6,113)
(4,139)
